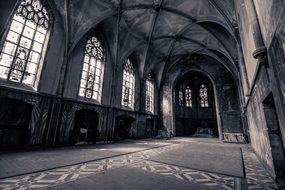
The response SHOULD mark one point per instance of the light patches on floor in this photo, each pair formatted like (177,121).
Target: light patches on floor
(256,175)
(191,175)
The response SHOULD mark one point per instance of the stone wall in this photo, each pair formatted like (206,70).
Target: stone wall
(268,73)
(226,95)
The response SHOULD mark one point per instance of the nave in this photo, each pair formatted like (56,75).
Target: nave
(179,163)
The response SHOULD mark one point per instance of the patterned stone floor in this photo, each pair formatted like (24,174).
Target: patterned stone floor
(191,175)
(256,176)
(65,174)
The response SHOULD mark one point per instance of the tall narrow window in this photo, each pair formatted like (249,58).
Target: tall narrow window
(128,85)
(149,94)
(188,97)
(204,96)
(22,55)
(92,71)
(180,96)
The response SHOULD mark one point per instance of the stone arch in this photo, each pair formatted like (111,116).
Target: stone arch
(85,129)
(215,96)
(124,127)
(15,116)
(225,87)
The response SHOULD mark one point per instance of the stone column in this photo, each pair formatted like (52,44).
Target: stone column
(261,51)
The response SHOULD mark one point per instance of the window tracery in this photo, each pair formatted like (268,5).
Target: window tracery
(92,71)
(128,85)
(188,97)
(149,94)
(180,96)
(22,55)
(204,96)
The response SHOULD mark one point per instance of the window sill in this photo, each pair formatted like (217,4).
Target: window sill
(127,108)
(88,100)
(17,86)
(149,113)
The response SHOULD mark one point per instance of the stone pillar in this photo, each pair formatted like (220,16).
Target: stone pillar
(261,51)
(53,125)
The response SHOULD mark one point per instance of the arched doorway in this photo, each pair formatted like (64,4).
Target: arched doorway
(15,117)
(85,127)
(195,112)
(149,128)
(124,128)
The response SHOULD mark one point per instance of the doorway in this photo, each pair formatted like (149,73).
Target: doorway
(124,128)
(149,129)
(85,127)
(275,136)
(15,117)
(195,112)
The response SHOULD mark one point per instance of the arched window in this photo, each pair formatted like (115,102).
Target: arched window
(180,96)
(22,55)
(204,96)
(128,85)
(149,94)
(92,71)
(188,97)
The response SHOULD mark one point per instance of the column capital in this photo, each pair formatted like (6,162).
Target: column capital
(260,51)
(261,55)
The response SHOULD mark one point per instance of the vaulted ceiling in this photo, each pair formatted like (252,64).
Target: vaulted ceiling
(159,32)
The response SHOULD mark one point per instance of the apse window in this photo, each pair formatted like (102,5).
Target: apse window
(180,97)
(204,96)
(92,70)
(188,97)
(149,94)
(23,52)
(128,85)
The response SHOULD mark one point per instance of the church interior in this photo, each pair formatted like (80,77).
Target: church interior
(142,94)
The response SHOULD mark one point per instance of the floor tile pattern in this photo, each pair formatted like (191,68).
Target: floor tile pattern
(194,176)
(65,174)
(256,175)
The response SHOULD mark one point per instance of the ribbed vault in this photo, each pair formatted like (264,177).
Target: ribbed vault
(160,32)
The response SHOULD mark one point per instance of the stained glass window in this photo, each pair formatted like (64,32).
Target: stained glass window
(22,55)
(180,96)
(128,85)
(204,96)
(188,97)
(92,71)
(149,94)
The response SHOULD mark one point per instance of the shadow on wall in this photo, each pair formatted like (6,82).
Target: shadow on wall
(15,116)
(195,111)
(124,128)
(150,131)
(275,137)
(85,129)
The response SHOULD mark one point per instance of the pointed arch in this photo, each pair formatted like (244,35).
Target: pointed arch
(188,96)
(203,96)
(23,53)
(149,103)
(128,87)
(93,69)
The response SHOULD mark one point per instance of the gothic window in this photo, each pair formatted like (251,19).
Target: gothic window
(128,85)
(180,96)
(188,97)
(92,71)
(22,55)
(204,96)
(149,94)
